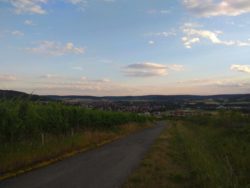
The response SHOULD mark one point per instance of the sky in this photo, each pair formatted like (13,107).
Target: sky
(125,47)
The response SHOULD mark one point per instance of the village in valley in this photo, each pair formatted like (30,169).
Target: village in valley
(164,106)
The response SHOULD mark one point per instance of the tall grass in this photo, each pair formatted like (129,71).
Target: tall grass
(34,131)
(25,120)
(211,151)
(217,149)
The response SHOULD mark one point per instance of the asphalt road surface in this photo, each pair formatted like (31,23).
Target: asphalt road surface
(105,167)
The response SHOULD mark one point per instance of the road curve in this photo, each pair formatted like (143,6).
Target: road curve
(105,167)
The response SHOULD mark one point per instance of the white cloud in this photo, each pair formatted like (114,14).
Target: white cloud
(189,41)
(56,49)
(151,42)
(164,11)
(29,6)
(106,61)
(28,22)
(77,68)
(209,8)
(240,68)
(49,76)
(37,6)
(150,69)
(147,69)
(109,1)
(106,80)
(84,78)
(176,67)
(162,34)
(8,77)
(103,80)
(17,33)
(218,82)
(156,11)
(79,3)
(193,35)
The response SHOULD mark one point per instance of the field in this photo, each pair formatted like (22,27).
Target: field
(32,132)
(211,151)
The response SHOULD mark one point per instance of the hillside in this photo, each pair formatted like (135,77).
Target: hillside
(11,94)
(167,98)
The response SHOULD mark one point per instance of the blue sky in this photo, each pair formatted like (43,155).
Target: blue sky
(125,47)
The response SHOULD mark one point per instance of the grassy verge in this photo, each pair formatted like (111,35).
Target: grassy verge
(190,154)
(22,157)
(217,156)
(162,167)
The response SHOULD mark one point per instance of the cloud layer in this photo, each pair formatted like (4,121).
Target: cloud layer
(56,49)
(28,6)
(38,6)
(209,8)
(7,77)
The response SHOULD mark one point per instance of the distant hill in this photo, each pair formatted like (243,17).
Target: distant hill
(9,94)
(166,98)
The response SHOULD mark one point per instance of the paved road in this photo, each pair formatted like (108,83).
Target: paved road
(105,167)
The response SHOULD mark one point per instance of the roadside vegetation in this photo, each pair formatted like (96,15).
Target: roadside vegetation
(203,151)
(32,132)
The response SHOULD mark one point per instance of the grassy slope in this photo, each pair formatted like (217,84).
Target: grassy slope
(190,155)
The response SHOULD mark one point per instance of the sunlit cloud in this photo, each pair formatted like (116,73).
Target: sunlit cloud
(194,34)
(86,79)
(218,81)
(56,48)
(147,69)
(17,33)
(28,22)
(176,67)
(29,6)
(209,8)
(81,4)
(240,68)
(8,77)
(150,69)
